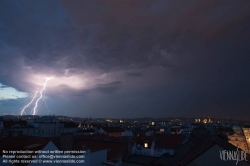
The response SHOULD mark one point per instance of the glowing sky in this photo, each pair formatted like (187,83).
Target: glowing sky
(126,58)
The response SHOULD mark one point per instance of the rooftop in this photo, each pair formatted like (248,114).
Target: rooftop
(114,149)
(17,143)
(113,129)
(169,141)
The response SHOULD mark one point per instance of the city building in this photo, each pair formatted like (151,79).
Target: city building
(158,145)
(238,139)
(246,131)
(47,126)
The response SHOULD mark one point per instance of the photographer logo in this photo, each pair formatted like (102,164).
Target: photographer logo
(238,155)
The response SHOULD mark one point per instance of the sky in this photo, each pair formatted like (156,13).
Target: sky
(126,58)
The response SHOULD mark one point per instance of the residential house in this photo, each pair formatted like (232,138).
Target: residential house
(158,145)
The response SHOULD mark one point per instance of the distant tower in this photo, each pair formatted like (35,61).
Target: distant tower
(237,129)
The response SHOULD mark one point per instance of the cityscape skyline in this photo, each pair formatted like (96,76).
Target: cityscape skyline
(125,59)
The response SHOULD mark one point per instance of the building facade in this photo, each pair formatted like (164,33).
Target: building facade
(238,139)
(246,131)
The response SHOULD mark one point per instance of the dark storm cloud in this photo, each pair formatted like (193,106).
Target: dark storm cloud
(150,32)
(109,88)
(186,57)
(202,45)
(134,74)
(32,34)
(12,102)
(66,90)
(116,83)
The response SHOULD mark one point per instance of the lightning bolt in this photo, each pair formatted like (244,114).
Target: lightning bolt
(41,95)
(44,99)
(28,104)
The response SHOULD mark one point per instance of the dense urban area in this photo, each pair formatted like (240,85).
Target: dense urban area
(129,142)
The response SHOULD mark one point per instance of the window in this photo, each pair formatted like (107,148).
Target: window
(146,145)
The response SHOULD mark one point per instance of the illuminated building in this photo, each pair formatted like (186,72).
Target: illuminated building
(238,139)
(246,131)
(204,120)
